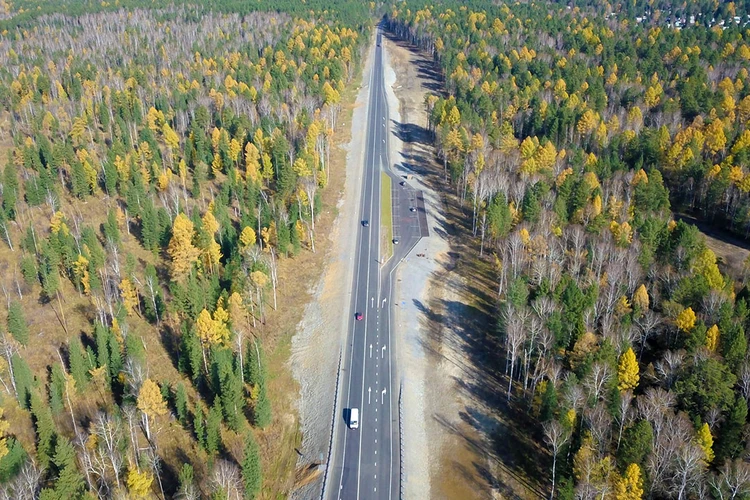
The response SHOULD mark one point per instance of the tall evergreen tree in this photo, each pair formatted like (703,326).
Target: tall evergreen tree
(251,467)
(17,323)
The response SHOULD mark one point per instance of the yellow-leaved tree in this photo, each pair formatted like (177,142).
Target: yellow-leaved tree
(712,338)
(139,483)
(685,321)
(248,237)
(151,404)
(640,298)
(706,442)
(627,371)
(630,485)
(4,426)
(181,249)
(129,295)
(706,266)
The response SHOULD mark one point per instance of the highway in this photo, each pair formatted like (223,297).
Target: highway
(365,462)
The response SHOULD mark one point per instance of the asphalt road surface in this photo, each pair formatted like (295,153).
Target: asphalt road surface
(365,462)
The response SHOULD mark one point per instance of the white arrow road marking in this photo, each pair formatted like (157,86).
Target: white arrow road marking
(383,303)
(382,352)
(369,389)
(370,350)
(382,396)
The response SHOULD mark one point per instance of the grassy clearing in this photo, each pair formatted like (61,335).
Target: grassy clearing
(386,216)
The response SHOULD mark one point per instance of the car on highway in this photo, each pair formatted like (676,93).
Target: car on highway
(358,316)
(412,209)
(365,223)
(402,183)
(395,241)
(354,418)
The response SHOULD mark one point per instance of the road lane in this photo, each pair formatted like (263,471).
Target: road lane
(365,462)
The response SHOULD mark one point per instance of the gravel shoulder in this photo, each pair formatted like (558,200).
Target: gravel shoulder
(317,345)
(443,454)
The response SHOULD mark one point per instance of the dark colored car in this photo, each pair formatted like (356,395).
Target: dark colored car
(395,241)
(365,223)
(402,183)
(358,316)
(412,209)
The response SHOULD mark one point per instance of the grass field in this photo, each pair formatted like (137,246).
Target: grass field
(386,216)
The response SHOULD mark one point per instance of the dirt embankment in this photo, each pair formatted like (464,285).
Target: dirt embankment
(458,441)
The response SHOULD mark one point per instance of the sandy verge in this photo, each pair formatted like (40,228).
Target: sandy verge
(321,334)
(442,459)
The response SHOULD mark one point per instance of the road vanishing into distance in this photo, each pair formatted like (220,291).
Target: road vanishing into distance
(365,462)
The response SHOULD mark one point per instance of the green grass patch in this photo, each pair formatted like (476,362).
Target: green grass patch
(386,216)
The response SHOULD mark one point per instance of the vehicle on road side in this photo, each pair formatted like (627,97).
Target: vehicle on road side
(395,241)
(365,223)
(412,209)
(402,183)
(358,316)
(354,418)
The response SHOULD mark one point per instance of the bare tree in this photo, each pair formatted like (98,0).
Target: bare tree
(599,423)
(688,469)
(624,416)
(597,380)
(26,485)
(647,323)
(226,478)
(555,436)
(733,481)
(515,334)
(109,436)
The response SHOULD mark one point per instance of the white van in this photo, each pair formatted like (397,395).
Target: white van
(354,418)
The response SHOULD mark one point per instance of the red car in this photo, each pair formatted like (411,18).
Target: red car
(358,316)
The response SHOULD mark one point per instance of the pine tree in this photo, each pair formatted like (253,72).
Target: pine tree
(17,323)
(24,380)
(45,430)
(627,371)
(730,443)
(101,334)
(181,403)
(111,228)
(57,388)
(199,426)
(10,190)
(79,364)
(226,383)
(251,468)
(213,428)
(70,483)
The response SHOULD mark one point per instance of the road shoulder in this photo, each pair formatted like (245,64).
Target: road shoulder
(321,335)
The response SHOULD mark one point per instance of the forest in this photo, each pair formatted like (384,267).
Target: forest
(161,168)
(572,134)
